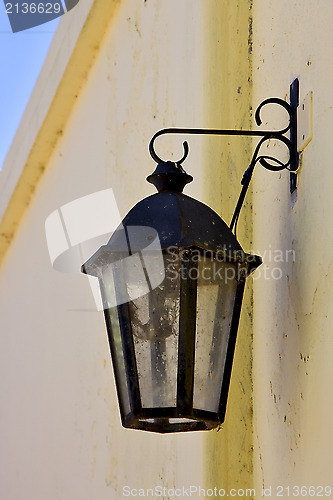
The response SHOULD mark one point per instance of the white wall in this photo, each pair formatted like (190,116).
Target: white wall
(60,430)
(293,315)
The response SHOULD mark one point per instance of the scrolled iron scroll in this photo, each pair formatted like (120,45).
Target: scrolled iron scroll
(266,135)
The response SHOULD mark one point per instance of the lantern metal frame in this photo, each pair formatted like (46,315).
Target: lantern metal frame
(170,179)
(140,417)
(208,235)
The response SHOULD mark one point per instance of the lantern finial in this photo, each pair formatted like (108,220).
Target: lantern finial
(169,176)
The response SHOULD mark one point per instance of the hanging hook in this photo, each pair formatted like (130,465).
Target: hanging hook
(152,151)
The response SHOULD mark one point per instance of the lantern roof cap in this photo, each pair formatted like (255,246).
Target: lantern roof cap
(182,221)
(179,222)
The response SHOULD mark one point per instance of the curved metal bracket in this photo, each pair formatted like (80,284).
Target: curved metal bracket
(265,134)
(268,162)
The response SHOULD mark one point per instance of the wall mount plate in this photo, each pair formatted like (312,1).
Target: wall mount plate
(304,133)
(301,132)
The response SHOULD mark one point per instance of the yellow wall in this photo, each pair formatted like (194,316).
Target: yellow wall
(271,43)
(228,104)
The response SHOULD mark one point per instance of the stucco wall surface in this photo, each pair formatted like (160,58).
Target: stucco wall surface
(60,430)
(228,105)
(153,65)
(293,309)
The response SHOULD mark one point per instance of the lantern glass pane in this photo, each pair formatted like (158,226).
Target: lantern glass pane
(155,324)
(111,316)
(215,304)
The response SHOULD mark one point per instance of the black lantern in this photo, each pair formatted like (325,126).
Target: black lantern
(172,279)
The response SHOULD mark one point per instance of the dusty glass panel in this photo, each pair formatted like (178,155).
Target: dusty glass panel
(108,293)
(215,302)
(155,324)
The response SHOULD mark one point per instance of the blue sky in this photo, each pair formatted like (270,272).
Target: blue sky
(21,57)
